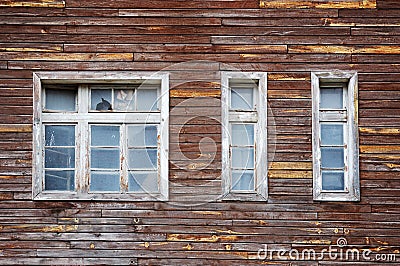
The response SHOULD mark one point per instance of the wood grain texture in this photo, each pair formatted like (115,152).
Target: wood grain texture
(194,41)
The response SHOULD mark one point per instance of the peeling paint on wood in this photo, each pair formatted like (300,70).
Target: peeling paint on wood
(318,4)
(191,93)
(15,128)
(345,49)
(289,174)
(69,56)
(34,3)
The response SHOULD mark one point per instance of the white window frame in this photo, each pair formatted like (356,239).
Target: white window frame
(349,81)
(259,118)
(82,122)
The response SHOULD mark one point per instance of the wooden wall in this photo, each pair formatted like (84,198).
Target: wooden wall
(193,228)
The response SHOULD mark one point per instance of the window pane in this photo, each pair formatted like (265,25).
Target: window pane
(60,135)
(142,136)
(101,100)
(104,181)
(331,134)
(242,180)
(332,157)
(143,181)
(243,158)
(332,180)
(143,158)
(331,98)
(104,158)
(59,180)
(105,136)
(147,99)
(60,100)
(242,98)
(242,134)
(124,100)
(60,157)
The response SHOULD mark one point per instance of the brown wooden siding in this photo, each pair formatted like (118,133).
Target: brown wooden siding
(196,40)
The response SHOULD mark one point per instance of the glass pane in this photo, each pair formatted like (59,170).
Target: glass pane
(243,158)
(100,100)
(242,134)
(332,157)
(104,158)
(331,98)
(60,100)
(104,181)
(147,99)
(124,100)
(332,180)
(105,136)
(143,181)
(60,135)
(142,136)
(331,134)
(60,157)
(242,180)
(143,158)
(242,98)
(60,180)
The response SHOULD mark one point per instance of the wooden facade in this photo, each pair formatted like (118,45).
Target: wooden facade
(194,41)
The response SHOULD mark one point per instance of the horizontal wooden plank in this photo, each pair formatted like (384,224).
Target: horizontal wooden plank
(318,4)
(12,128)
(175,48)
(227,13)
(79,38)
(345,49)
(160,4)
(242,57)
(304,40)
(68,56)
(121,21)
(34,3)
(380,149)
(21,29)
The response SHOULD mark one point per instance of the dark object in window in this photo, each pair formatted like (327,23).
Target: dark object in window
(103,105)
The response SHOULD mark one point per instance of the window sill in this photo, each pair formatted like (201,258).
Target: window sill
(237,196)
(58,195)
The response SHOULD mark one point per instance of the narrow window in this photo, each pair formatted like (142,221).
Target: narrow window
(335,137)
(100,139)
(244,136)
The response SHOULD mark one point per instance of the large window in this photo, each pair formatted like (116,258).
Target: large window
(244,136)
(100,138)
(335,136)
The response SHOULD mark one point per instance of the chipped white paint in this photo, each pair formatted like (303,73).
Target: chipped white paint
(83,117)
(348,80)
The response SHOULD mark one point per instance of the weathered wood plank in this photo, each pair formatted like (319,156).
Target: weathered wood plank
(247,57)
(160,4)
(105,21)
(68,56)
(345,49)
(34,3)
(227,13)
(318,4)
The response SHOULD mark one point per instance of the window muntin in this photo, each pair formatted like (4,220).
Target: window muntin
(124,98)
(335,137)
(59,157)
(244,163)
(85,154)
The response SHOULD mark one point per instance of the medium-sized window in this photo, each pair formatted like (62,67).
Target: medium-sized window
(244,136)
(100,140)
(335,137)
